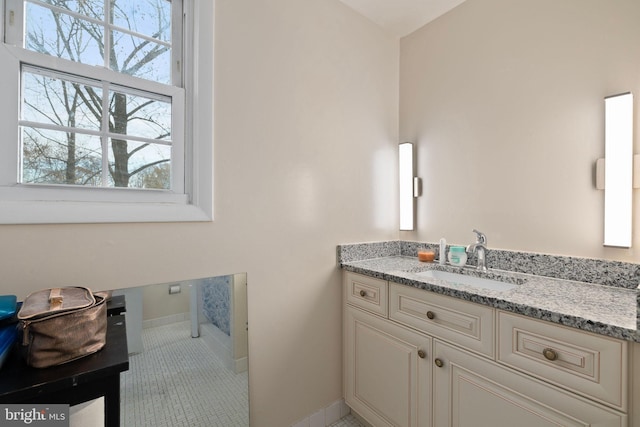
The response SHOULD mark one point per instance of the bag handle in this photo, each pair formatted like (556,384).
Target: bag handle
(55,298)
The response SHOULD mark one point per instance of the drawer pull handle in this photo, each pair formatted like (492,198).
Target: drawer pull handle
(550,354)
(422,354)
(439,363)
(431,315)
(363,293)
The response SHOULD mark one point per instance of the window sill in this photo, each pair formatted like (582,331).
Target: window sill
(66,212)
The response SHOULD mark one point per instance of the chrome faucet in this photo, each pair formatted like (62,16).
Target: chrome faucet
(480,246)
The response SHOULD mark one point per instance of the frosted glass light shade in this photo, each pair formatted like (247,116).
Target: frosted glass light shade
(618,170)
(405,151)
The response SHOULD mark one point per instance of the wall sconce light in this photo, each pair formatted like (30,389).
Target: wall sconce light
(615,173)
(410,186)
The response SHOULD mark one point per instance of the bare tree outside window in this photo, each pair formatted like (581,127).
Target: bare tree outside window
(93,133)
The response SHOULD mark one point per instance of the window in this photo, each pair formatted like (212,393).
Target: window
(101,109)
(67,140)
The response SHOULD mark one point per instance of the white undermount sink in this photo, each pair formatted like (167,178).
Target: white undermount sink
(463,279)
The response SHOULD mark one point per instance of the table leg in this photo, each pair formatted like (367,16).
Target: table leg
(112,401)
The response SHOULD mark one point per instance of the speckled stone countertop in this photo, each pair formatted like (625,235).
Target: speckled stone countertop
(610,310)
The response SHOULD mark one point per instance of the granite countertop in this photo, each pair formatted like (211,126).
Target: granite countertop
(602,309)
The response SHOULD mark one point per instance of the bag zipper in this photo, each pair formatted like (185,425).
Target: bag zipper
(25,332)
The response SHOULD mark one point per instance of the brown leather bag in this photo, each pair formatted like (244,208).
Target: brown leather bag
(62,324)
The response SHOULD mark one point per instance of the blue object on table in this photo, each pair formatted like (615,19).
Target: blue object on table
(8,336)
(8,306)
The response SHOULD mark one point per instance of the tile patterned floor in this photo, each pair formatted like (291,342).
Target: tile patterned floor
(348,421)
(178,382)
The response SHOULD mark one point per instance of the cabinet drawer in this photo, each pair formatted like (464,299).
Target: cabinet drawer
(463,323)
(367,293)
(589,364)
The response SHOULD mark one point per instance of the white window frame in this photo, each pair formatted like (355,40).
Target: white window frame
(191,198)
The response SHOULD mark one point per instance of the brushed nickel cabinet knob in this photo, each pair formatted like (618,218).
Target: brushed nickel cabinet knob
(550,354)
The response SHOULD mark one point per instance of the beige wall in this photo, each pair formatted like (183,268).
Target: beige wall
(157,302)
(505,102)
(305,136)
(306,114)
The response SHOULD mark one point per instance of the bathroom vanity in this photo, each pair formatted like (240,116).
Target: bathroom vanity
(423,351)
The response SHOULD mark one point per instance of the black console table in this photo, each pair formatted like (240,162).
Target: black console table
(74,382)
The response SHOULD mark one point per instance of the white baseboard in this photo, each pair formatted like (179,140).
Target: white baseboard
(325,416)
(165,320)
(241,365)
(221,343)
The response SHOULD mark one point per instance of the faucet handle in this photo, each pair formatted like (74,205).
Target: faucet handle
(480,237)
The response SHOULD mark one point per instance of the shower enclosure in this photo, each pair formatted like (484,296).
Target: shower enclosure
(219,316)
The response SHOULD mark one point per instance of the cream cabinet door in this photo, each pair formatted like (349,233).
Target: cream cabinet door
(470,391)
(387,371)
